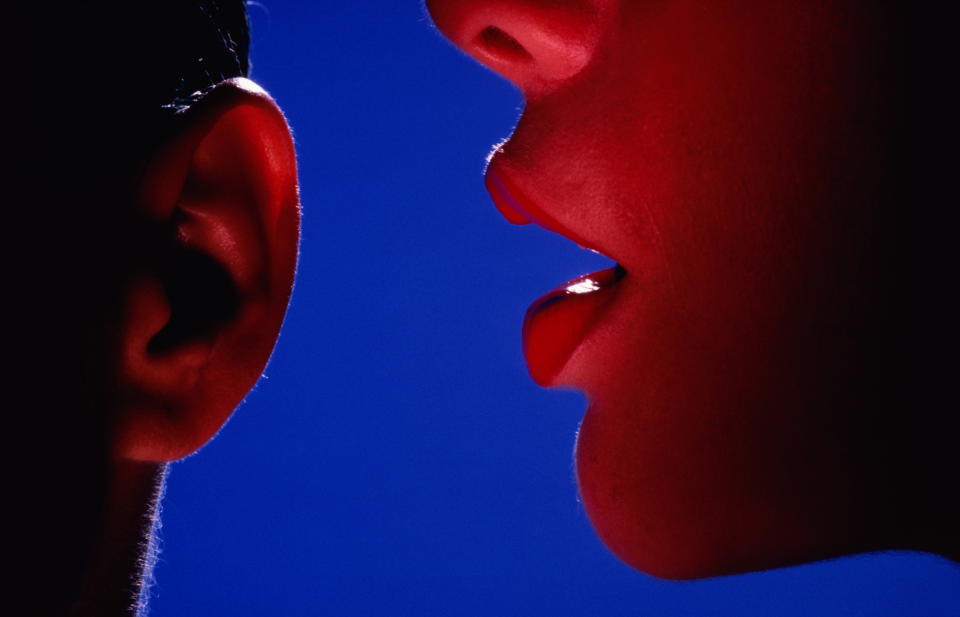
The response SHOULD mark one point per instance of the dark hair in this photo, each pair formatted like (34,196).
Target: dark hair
(219,49)
(184,48)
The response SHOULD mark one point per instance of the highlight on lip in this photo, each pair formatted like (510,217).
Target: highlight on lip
(583,287)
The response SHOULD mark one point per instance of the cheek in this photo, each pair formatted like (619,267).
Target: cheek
(681,156)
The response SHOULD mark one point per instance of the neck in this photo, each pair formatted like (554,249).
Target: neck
(118,569)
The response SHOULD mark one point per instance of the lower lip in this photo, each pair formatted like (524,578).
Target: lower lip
(557,323)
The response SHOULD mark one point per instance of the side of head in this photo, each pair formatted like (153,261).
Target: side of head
(771,383)
(159,226)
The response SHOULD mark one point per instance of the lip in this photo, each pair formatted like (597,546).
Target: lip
(558,322)
(518,209)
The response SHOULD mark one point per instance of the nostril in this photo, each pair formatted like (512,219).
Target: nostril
(537,44)
(499,45)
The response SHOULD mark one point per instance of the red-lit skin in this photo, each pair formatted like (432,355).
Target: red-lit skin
(734,156)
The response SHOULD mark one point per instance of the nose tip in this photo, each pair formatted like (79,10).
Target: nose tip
(536,44)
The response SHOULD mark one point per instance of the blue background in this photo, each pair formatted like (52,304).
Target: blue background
(396,460)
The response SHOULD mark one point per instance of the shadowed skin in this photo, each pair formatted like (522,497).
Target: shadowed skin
(156,291)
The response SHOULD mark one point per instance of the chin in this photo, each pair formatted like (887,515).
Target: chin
(677,512)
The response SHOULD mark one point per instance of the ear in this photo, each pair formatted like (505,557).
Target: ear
(219,209)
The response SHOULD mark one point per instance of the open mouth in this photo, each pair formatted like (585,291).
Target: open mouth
(558,322)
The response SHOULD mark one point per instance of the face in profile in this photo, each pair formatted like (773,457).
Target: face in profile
(757,364)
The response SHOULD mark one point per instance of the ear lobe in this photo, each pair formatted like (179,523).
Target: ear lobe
(213,272)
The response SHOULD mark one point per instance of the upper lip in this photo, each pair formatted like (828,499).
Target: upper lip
(518,208)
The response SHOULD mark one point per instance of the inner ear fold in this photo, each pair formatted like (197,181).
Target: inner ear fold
(206,303)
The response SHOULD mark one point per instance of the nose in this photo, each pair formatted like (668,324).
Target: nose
(537,44)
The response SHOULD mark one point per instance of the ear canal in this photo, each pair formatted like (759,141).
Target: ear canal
(202,297)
